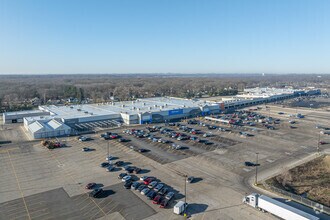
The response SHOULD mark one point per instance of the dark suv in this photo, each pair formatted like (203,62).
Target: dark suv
(96,193)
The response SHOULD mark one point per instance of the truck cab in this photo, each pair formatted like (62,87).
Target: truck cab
(179,207)
(251,200)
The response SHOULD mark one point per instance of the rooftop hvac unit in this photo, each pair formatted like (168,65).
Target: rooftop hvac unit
(123,106)
(165,104)
(138,109)
(78,109)
(155,106)
(150,108)
(86,112)
(71,106)
(144,103)
(91,113)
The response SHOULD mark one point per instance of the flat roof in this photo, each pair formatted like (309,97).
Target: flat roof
(127,107)
(23,112)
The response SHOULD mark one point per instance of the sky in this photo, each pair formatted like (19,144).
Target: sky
(164,36)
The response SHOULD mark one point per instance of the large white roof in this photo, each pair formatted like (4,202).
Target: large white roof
(127,107)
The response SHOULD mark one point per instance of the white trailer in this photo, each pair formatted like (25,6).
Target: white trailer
(279,209)
(179,207)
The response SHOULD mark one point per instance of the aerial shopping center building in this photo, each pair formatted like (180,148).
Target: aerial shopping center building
(54,121)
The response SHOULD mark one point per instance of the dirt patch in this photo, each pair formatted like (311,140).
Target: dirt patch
(311,180)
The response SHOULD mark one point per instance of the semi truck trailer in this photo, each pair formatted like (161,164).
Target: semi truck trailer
(277,208)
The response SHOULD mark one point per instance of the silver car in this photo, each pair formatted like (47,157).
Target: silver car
(145,191)
(169,195)
(152,184)
(159,187)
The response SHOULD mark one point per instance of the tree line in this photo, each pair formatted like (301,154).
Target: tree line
(17,91)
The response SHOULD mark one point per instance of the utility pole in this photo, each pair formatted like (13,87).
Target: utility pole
(318,143)
(256,180)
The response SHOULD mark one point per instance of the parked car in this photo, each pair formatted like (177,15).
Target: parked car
(96,193)
(143,178)
(152,184)
(145,191)
(119,163)
(122,140)
(86,149)
(126,178)
(128,184)
(169,195)
(163,203)
(151,194)
(136,170)
(90,185)
(104,164)
(190,179)
(84,138)
(149,180)
(110,168)
(122,175)
(110,157)
(142,150)
(250,164)
(159,187)
(135,185)
(141,187)
(322,142)
(163,191)
(157,199)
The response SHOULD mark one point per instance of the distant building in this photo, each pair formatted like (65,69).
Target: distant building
(53,120)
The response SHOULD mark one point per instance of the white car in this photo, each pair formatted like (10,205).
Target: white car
(143,177)
(126,178)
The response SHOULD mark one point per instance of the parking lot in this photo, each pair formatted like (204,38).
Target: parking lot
(37,183)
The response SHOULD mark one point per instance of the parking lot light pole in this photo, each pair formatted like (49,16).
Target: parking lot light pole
(318,143)
(108,149)
(256,180)
(185,195)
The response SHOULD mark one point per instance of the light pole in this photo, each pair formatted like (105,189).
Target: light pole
(108,149)
(318,143)
(185,195)
(256,180)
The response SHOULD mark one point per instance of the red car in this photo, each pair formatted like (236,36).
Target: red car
(322,142)
(90,185)
(163,203)
(157,199)
(149,180)
(114,136)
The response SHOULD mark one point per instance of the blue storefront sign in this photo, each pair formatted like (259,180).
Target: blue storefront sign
(175,112)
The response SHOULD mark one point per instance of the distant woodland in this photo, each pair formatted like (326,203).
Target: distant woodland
(19,92)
